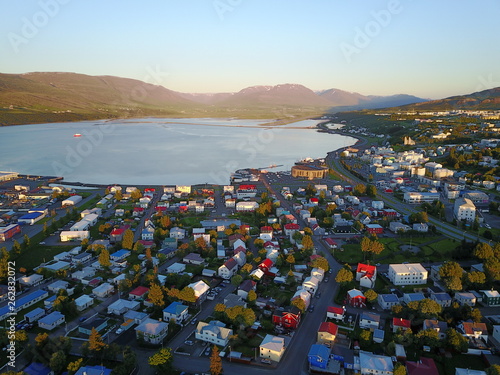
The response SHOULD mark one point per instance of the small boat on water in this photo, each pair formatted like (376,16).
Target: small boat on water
(77,135)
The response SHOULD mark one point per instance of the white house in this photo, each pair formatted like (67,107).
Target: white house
(407,274)
(386,301)
(464,209)
(51,321)
(83,302)
(228,269)
(465,298)
(177,233)
(246,206)
(214,332)
(375,364)
(104,290)
(368,320)
(272,347)
(304,295)
(176,311)
(200,290)
(311,284)
(122,306)
(152,331)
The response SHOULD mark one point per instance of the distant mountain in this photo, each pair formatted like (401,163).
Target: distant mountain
(207,98)
(486,99)
(354,100)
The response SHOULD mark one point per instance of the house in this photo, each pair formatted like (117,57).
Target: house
(491,298)
(439,326)
(290,228)
(32,280)
(228,269)
(465,298)
(318,356)
(83,302)
(375,364)
(257,274)
(177,233)
(378,336)
(266,267)
(356,298)
(318,273)
(240,257)
(147,233)
(442,299)
(176,311)
(304,295)
(397,227)
(407,274)
(369,320)
(425,366)
(200,290)
(327,332)
(232,300)
(336,313)
(272,347)
(193,258)
(36,368)
(374,229)
(34,315)
(400,323)
(214,332)
(344,356)
(311,284)
(57,285)
(331,243)
(122,306)
(421,227)
(104,290)
(134,317)
(51,321)
(474,330)
(366,275)
(97,324)
(288,318)
(244,206)
(138,293)
(245,287)
(467,371)
(386,301)
(496,332)
(152,331)
(93,370)
(413,297)
(119,255)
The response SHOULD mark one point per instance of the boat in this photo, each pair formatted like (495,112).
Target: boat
(77,135)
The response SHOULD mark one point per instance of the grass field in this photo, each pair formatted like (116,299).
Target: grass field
(38,254)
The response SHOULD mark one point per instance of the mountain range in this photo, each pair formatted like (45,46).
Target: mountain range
(57,97)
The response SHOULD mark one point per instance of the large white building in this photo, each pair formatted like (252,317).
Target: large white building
(464,209)
(214,332)
(415,197)
(407,274)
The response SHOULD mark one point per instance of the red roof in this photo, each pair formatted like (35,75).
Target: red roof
(400,322)
(247,187)
(425,366)
(331,328)
(330,241)
(117,232)
(292,226)
(239,249)
(336,310)
(138,209)
(230,263)
(139,291)
(366,269)
(266,229)
(267,263)
(245,227)
(161,208)
(316,200)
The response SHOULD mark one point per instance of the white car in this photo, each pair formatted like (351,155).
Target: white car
(119,330)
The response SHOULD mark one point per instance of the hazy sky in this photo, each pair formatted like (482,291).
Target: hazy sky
(427,48)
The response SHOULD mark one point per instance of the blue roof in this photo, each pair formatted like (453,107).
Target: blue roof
(34,312)
(93,370)
(31,215)
(24,300)
(120,253)
(319,351)
(175,308)
(51,318)
(390,298)
(36,368)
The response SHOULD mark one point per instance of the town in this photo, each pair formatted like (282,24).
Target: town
(374,260)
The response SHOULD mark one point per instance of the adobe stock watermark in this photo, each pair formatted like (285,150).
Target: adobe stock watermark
(487,82)
(31,26)
(251,147)
(224,6)
(364,36)
(93,138)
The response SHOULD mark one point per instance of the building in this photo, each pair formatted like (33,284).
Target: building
(366,275)
(83,302)
(245,287)
(465,298)
(386,301)
(467,371)
(272,347)
(93,370)
(200,290)
(464,209)
(104,290)
(34,315)
(491,298)
(369,320)
(32,280)
(356,298)
(119,255)
(175,311)
(193,258)
(418,198)
(425,366)
(71,201)
(375,364)
(97,324)
(318,356)
(30,218)
(9,231)
(309,171)
(288,318)
(400,323)
(177,233)
(214,332)
(122,306)
(138,293)
(228,269)
(374,229)
(152,331)
(407,274)
(474,330)
(327,332)
(246,206)
(437,325)
(336,313)
(73,235)
(51,321)
(443,299)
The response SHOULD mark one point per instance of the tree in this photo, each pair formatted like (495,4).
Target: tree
(371,190)
(299,303)
(162,360)
(220,307)
(96,343)
(74,366)
(4,263)
(307,242)
(290,259)
(359,189)
(483,251)
(428,337)
(128,239)
(492,269)
(16,248)
(451,273)
(365,336)
(215,362)
(456,341)
(493,370)
(320,262)
(26,241)
(371,246)
(118,195)
(104,259)
(476,315)
(476,278)
(344,276)
(371,295)
(399,369)
(156,295)
(187,294)
(58,362)
(236,280)
(252,296)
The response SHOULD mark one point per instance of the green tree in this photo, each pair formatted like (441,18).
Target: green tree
(365,336)
(483,251)
(128,239)
(359,190)
(307,243)
(399,369)
(58,362)
(371,295)
(456,341)
(16,248)
(299,303)
(236,280)
(428,337)
(215,362)
(451,273)
(4,263)
(162,360)
(26,241)
(371,191)
(493,370)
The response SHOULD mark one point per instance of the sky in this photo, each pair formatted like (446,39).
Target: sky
(431,49)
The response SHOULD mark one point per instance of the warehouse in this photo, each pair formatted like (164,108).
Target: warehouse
(9,231)
(31,218)
(68,235)
(71,201)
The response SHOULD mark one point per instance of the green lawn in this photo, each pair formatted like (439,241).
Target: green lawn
(37,254)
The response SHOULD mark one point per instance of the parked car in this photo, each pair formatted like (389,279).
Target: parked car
(207,351)
(119,330)
(189,342)
(193,321)
(266,361)
(311,308)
